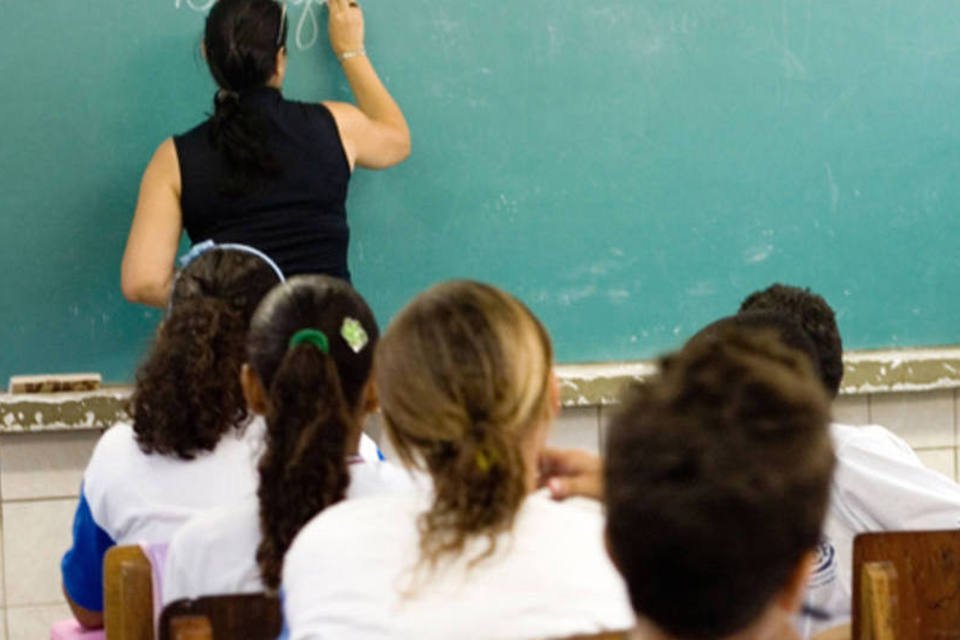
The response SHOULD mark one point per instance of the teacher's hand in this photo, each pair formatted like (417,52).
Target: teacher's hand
(345,26)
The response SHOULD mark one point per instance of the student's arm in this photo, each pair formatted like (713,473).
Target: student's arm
(88,619)
(375,134)
(883,485)
(82,567)
(147,271)
(571,472)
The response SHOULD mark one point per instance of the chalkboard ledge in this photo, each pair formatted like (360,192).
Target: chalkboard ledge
(887,371)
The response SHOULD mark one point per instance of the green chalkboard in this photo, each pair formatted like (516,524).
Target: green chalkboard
(630,168)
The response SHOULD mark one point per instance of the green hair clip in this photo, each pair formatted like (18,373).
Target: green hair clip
(314,336)
(353,334)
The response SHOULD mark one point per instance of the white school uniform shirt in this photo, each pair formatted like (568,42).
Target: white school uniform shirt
(346,574)
(879,485)
(131,497)
(215,553)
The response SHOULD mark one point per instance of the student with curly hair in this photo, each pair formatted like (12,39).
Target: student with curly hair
(464,375)
(191,444)
(309,364)
(717,479)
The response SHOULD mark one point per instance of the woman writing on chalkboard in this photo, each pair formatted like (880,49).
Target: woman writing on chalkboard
(262,170)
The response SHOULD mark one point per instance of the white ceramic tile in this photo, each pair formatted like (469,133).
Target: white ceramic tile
(33,623)
(3,579)
(35,536)
(851,409)
(577,428)
(44,465)
(942,460)
(925,420)
(606,414)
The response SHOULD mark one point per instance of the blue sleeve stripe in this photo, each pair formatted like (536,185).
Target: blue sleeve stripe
(82,565)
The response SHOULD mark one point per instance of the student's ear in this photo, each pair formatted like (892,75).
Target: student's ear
(554,392)
(793,592)
(253,391)
(371,400)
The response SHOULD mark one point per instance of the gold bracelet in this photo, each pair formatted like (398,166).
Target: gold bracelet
(346,55)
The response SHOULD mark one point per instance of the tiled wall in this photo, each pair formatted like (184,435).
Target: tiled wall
(40,478)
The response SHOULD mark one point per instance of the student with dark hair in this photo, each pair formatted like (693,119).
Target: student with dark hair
(880,483)
(191,444)
(816,318)
(262,170)
(309,364)
(464,375)
(717,478)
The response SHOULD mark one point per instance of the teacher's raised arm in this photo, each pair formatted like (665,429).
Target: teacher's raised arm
(264,171)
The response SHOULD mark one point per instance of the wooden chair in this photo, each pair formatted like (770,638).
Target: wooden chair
(252,616)
(127,594)
(906,585)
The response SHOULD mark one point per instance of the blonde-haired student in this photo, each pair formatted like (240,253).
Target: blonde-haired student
(464,376)
(309,362)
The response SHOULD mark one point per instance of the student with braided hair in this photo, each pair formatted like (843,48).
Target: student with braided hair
(309,363)
(464,376)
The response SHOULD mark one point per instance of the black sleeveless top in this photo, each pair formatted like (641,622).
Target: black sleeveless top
(298,218)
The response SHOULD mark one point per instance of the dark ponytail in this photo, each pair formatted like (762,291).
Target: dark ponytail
(241,40)
(187,392)
(305,468)
(313,400)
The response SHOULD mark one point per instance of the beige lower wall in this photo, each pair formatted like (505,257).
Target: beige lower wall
(40,478)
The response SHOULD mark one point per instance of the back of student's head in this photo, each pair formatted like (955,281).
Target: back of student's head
(716,482)
(816,317)
(463,374)
(311,346)
(188,390)
(783,326)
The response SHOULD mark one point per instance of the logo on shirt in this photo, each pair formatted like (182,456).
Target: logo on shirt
(825,567)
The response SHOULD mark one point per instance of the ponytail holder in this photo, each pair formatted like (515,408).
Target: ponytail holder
(225,95)
(314,336)
(485,461)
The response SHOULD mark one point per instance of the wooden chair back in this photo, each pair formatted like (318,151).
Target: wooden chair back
(906,585)
(249,616)
(127,594)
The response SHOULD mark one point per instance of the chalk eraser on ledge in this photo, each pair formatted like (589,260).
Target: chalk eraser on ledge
(55,382)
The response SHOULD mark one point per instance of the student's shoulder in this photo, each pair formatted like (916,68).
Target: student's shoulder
(366,518)
(849,440)
(116,446)
(214,525)
(379,477)
(574,516)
